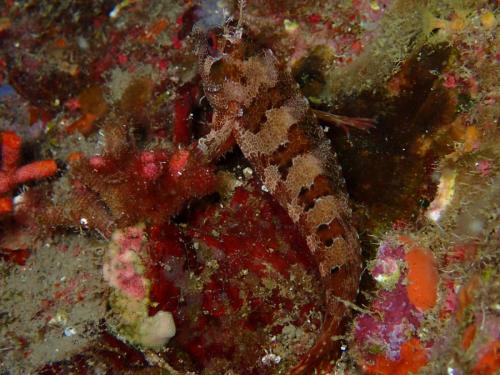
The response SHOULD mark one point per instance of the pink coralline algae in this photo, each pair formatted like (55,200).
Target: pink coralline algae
(400,319)
(125,270)
(395,319)
(120,271)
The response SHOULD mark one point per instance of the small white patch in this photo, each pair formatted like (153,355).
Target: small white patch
(271,359)
(434,215)
(18,199)
(247,173)
(69,331)
(114,12)
(444,195)
(84,223)
(82,42)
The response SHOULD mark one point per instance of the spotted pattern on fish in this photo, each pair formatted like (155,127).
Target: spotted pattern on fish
(257,102)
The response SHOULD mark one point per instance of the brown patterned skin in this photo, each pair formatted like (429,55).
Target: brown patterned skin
(257,104)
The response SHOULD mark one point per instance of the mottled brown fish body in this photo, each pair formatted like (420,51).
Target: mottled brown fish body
(263,109)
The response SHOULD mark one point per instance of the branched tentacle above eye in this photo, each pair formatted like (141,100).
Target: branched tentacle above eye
(262,109)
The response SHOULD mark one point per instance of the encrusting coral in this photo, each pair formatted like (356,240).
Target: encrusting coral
(125,272)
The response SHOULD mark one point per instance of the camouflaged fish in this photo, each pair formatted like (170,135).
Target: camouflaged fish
(258,105)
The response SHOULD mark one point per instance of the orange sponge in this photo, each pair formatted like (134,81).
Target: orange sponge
(423,278)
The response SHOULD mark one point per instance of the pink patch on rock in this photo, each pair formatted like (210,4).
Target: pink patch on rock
(131,239)
(120,270)
(450,303)
(395,319)
(73,104)
(450,81)
(150,168)
(97,162)
(150,171)
(131,283)
(483,167)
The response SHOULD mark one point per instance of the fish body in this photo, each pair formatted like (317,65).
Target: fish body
(259,106)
